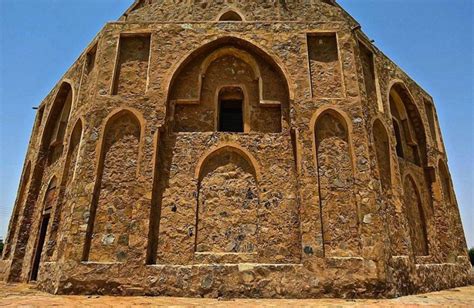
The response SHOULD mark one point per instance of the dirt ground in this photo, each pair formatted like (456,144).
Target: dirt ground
(22,295)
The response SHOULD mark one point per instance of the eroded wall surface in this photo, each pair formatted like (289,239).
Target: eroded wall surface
(337,184)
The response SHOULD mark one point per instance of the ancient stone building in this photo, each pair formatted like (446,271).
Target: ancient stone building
(236,148)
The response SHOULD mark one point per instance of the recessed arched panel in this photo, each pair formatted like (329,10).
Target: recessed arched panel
(405,112)
(335,173)
(412,132)
(55,129)
(382,151)
(69,169)
(228,200)
(451,223)
(445,182)
(16,214)
(194,90)
(114,196)
(416,217)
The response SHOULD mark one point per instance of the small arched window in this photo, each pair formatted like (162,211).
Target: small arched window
(230,16)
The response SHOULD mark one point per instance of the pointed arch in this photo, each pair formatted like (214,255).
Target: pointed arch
(416,217)
(382,151)
(227,202)
(335,171)
(233,41)
(69,170)
(113,200)
(343,119)
(74,143)
(228,62)
(413,134)
(52,140)
(231,15)
(228,147)
(404,109)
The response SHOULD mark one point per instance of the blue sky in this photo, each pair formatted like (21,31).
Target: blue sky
(432,40)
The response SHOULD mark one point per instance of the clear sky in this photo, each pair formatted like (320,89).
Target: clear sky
(432,40)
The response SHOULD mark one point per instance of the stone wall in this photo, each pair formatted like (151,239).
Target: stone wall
(313,198)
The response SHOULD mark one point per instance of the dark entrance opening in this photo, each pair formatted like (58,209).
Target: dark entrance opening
(39,247)
(231,110)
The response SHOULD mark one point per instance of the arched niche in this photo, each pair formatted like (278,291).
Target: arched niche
(339,216)
(416,217)
(68,173)
(17,210)
(55,129)
(411,136)
(228,62)
(114,195)
(451,223)
(227,203)
(382,151)
(230,15)
(445,182)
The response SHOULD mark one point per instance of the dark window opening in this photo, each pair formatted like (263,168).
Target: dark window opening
(39,247)
(90,59)
(398,137)
(230,117)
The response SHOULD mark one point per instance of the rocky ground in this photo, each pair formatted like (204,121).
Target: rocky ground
(13,295)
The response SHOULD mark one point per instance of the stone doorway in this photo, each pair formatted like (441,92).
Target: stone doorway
(39,246)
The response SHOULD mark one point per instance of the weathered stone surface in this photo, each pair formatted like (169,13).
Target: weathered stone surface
(281,155)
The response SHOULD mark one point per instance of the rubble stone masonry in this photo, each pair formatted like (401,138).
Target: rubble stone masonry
(236,149)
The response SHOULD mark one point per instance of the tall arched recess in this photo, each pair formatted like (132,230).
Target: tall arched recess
(68,172)
(50,151)
(409,129)
(107,238)
(382,151)
(53,136)
(416,217)
(412,136)
(227,203)
(339,216)
(455,244)
(16,212)
(232,78)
